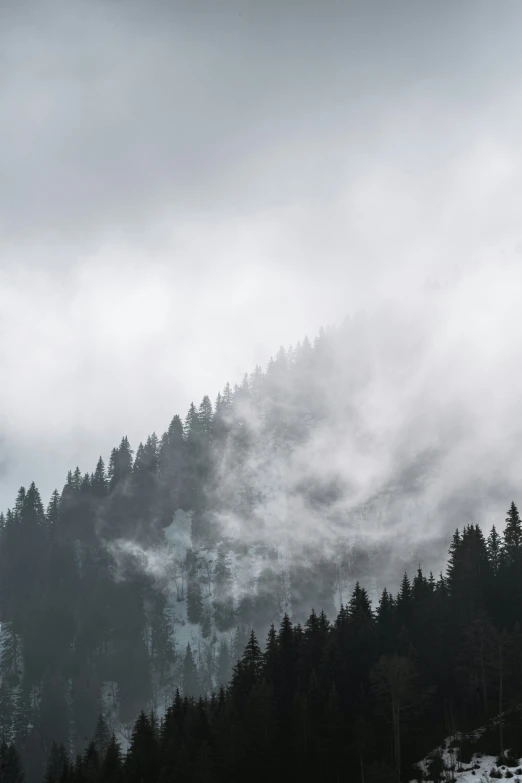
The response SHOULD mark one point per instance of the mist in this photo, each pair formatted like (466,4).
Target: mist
(187,188)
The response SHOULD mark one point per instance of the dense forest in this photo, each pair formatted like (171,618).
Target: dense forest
(359,698)
(147,582)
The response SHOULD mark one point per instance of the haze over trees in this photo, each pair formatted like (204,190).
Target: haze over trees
(362,696)
(143,582)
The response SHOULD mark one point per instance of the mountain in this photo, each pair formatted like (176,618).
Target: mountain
(347,460)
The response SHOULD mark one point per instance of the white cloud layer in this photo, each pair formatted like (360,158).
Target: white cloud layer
(184,187)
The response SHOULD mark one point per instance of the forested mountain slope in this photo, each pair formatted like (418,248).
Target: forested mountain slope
(361,698)
(336,464)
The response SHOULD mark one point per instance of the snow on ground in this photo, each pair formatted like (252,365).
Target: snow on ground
(478,770)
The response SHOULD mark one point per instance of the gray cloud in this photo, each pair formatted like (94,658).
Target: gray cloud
(185,186)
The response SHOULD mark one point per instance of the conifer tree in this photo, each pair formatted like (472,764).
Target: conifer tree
(494,547)
(53,509)
(6,713)
(91,763)
(120,465)
(190,674)
(111,766)
(142,761)
(359,606)
(172,471)
(101,737)
(194,600)
(252,657)
(512,539)
(56,764)
(99,480)
(223,602)
(11,770)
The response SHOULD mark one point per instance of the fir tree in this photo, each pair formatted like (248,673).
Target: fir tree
(494,547)
(194,600)
(190,674)
(99,480)
(142,761)
(53,509)
(512,539)
(56,764)
(101,736)
(112,767)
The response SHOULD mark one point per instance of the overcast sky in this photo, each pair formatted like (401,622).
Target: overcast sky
(186,185)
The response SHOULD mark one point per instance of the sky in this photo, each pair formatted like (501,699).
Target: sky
(185,186)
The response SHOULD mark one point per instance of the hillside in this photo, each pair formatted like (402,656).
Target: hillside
(147,574)
(360,697)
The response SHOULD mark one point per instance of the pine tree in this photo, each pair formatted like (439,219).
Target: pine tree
(85,487)
(7,708)
(53,509)
(11,770)
(386,620)
(19,502)
(252,657)
(223,603)
(172,471)
(194,600)
(112,766)
(99,480)
(120,465)
(101,737)
(23,712)
(91,763)
(11,653)
(190,674)
(142,761)
(205,418)
(512,540)
(393,680)
(161,636)
(222,420)
(57,762)
(494,547)
(360,606)
(32,510)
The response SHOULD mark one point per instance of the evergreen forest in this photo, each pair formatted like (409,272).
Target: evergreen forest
(156,624)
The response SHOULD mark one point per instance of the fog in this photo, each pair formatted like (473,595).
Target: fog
(184,187)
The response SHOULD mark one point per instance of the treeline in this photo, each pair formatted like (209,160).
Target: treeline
(359,698)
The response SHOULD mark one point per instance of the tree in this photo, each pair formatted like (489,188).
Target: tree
(10,764)
(142,762)
(512,540)
(360,606)
(393,679)
(120,465)
(111,767)
(10,654)
(224,664)
(99,480)
(252,657)
(56,764)
(172,471)
(91,763)
(494,547)
(161,636)
(101,737)
(53,510)
(6,712)
(194,599)
(190,674)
